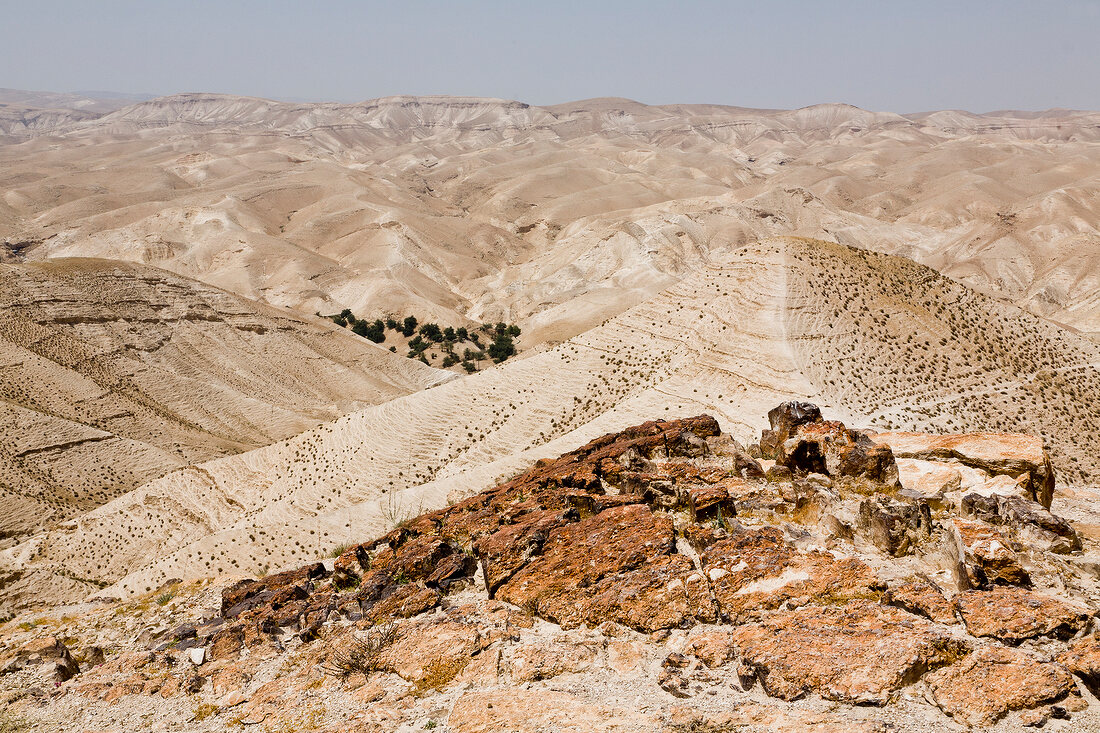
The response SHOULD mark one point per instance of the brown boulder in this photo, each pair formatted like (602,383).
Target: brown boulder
(829,448)
(667,592)
(783,421)
(982,688)
(1026,519)
(800,440)
(1010,454)
(577,556)
(983,556)
(513,545)
(860,653)
(1014,614)
(248,594)
(710,502)
(1083,659)
(895,527)
(759,570)
(47,652)
(921,597)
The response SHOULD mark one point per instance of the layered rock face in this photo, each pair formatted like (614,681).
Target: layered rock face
(811,575)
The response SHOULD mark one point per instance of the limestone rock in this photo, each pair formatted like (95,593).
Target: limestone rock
(40,652)
(982,688)
(983,556)
(530,711)
(433,650)
(1028,520)
(564,580)
(1014,614)
(1009,454)
(929,479)
(860,653)
(250,593)
(540,661)
(713,502)
(895,527)
(828,447)
(783,421)
(509,548)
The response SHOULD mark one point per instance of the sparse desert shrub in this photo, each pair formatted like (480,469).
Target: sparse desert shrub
(361,652)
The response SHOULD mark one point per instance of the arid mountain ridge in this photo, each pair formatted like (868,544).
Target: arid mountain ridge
(470,210)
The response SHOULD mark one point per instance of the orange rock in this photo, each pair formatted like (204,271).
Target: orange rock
(627,658)
(983,556)
(539,661)
(860,653)
(432,646)
(1014,614)
(980,689)
(1083,659)
(232,677)
(759,570)
(563,582)
(921,597)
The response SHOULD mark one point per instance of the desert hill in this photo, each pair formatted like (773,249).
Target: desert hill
(112,374)
(483,210)
(883,342)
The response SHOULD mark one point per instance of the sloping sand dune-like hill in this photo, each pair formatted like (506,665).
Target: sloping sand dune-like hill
(468,209)
(881,341)
(112,374)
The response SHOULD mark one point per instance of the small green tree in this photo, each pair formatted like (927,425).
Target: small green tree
(501,348)
(408,326)
(432,332)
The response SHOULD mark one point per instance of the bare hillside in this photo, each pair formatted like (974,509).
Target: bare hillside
(786,318)
(552,217)
(112,374)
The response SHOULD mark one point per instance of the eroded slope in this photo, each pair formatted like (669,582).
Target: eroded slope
(112,374)
(753,330)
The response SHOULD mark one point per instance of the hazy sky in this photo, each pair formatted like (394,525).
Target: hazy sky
(884,55)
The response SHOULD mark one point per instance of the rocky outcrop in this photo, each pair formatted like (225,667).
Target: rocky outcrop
(802,441)
(662,557)
(895,527)
(1015,614)
(48,653)
(759,570)
(980,689)
(998,454)
(922,597)
(828,651)
(983,556)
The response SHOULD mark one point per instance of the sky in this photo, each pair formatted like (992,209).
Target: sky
(978,55)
